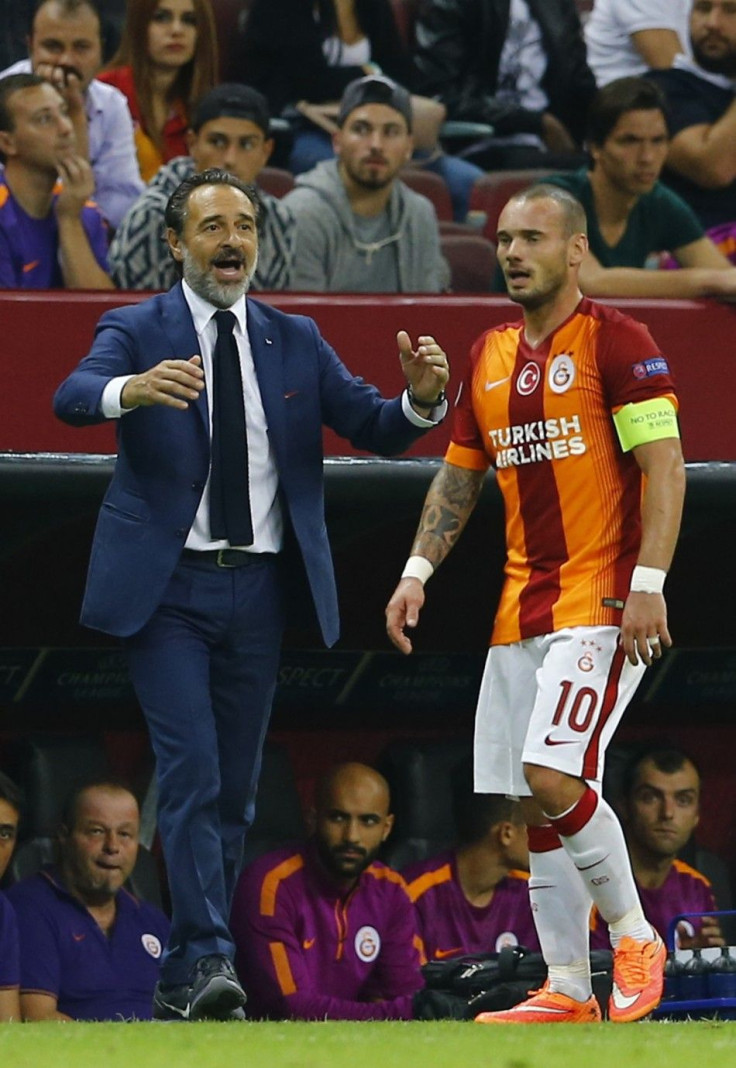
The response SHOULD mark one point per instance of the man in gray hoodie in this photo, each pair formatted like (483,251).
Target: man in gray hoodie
(358,228)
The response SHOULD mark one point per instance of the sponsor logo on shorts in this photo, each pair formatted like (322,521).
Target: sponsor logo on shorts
(152,945)
(549,740)
(655,365)
(528,379)
(367,944)
(561,374)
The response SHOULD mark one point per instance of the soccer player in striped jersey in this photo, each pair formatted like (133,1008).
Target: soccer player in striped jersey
(574,406)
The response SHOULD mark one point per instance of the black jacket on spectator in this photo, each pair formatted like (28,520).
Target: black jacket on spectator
(459,44)
(280,52)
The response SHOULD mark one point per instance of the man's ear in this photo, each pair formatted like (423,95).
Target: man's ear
(388,826)
(7,143)
(174,243)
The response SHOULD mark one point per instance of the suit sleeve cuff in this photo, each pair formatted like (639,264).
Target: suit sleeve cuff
(436,415)
(110,405)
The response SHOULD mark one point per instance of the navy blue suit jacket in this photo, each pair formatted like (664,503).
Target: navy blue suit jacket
(164,453)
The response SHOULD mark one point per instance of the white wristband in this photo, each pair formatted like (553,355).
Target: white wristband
(647,579)
(418,567)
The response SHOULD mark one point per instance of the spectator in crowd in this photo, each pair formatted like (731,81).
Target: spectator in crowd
(625,38)
(519,66)
(89,949)
(230,130)
(297,52)
(358,227)
(51,236)
(65,46)
(701,162)
(631,215)
(9,955)
(475,898)
(325,930)
(167,60)
(660,809)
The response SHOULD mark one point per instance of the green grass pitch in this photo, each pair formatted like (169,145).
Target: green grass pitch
(703,1044)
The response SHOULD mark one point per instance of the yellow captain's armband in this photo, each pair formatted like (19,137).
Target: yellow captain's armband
(650,420)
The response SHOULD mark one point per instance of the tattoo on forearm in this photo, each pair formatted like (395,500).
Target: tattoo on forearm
(448,505)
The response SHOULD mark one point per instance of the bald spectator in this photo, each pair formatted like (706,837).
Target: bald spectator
(229,130)
(66,46)
(631,215)
(89,949)
(9,954)
(51,234)
(325,930)
(701,162)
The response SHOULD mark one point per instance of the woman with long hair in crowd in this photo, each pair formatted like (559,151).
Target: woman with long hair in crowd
(166,61)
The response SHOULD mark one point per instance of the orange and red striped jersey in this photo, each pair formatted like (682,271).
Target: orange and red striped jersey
(543,417)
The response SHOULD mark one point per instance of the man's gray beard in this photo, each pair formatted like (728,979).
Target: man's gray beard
(204,285)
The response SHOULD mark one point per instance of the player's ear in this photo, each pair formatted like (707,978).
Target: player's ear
(174,243)
(388,826)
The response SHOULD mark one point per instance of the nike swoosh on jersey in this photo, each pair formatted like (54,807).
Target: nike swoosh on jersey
(623,1001)
(549,740)
(308,943)
(440,954)
(78,937)
(495,385)
(29,266)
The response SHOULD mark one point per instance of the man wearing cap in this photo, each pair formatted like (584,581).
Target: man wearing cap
(358,227)
(230,130)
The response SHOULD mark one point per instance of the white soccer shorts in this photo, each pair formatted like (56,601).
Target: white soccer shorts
(554,700)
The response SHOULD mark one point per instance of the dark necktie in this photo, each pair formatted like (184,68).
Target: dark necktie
(229,492)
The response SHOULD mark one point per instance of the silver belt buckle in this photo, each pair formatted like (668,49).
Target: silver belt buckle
(220,561)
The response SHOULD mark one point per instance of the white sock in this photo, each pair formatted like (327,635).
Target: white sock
(561,909)
(593,839)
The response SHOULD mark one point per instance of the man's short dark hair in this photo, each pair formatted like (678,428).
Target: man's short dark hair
(665,757)
(475,814)
(70,808)
(69,7)
(176,209)
(13,84)
(573,211)
(618,97)
(10,793)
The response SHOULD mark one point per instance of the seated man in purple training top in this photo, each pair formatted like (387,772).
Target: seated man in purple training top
(324,930)
(660,809)
(475,898)
(9,956)
(89,949)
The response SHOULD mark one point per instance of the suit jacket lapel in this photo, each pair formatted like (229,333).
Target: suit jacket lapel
(176,320)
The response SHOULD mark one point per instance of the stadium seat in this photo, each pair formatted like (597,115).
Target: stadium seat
(279,817)
(490,193)
(275,180)
(433,187)
(472,260)
(420,777)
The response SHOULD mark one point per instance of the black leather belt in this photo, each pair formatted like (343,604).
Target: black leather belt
(225,557)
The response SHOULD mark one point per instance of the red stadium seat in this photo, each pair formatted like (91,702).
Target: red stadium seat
(490,193)
(472,260)
(276,181)
(433,187)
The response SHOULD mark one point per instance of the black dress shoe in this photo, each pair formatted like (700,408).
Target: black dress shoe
(171,1002)
(214,993)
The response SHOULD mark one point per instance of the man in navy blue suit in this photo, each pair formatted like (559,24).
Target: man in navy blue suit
(190,576)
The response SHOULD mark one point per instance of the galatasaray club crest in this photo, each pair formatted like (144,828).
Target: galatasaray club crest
(561,374)
(367,944)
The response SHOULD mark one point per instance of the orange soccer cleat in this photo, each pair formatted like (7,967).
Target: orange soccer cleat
(638,977)
(545,1006)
